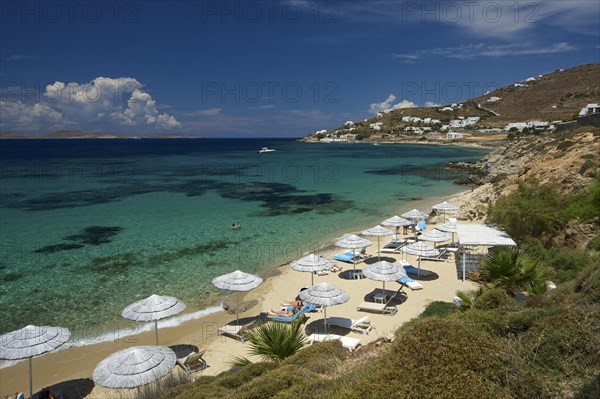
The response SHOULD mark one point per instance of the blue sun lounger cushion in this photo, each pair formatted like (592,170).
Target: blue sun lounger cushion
(345,257)
(289,319)
(416,272)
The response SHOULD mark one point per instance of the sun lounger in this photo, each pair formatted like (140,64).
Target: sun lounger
(347,257)
(347,342)
(193,362)
(410,283)
(288,319)
(377,308)
(322,273)
(362,325)
(410,269)
(443,256)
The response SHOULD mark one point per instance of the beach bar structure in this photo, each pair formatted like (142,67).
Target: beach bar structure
(479,235)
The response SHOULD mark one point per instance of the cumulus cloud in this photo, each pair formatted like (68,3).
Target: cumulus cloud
(104,101)
(388,103)
(430,104)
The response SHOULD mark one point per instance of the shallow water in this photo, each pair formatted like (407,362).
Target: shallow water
(89,226)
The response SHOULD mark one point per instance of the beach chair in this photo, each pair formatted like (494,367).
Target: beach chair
(237,331)
(362,325)
(193,362)
(443,256)
(347,257)
(347,342)
(20,395)
(410,283)
(410,269)
(299,314)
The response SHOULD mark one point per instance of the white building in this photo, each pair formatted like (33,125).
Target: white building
(520,85)
(538,125)
(531,79)
(436,121)
(494,99)
(349,123)
(446,109)
(379,115)
(589,110)
(454,135)
(517,125)
(406,119)
(376,126)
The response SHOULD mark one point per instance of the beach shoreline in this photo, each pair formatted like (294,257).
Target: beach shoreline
(281,283)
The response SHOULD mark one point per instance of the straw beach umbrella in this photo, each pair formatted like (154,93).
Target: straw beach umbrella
(153,308)
(324,294)
(352,241)
(445,207)
(377,231)
(420,249)
(383,271)
(237,281)
(449,227)
(133,367)
(434,236)
(396,221)
(31,341)
(311,263)
(415,214)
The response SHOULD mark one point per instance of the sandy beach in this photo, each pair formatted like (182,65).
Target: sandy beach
(75,365)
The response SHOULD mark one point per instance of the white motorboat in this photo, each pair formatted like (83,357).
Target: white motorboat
(265,149)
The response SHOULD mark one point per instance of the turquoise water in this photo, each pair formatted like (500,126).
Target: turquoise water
(89,226)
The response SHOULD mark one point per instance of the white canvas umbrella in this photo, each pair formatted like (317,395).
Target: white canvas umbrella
(396,221)
(445,207)
(415,215)
(434,236)
(352,241)
(383,271)
(133,367)
(324,294)
(449,227)
(310,264)
(377,231)
(237,281)
(420,249)
(31,341)
(153,308)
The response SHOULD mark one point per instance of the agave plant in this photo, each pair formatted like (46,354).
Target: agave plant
(514,270)
(276,341)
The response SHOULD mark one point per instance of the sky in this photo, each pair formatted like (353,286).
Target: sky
(269,68)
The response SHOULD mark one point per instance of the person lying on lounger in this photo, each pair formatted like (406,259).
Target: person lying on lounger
(294,303)
(285,313)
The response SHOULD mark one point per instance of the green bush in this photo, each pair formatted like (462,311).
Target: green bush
(594,244)
(492,299)
(566,262)
(532,211)
(438,309)
(444,359)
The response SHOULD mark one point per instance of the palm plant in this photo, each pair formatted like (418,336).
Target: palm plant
(513,270)
(276,341)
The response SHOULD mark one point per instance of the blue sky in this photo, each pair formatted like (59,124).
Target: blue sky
(269,68)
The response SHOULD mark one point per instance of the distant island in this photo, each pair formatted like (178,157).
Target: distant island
(75,134)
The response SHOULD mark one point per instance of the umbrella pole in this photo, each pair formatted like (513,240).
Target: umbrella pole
(312,278)
(353,262)
(156,330)
(378,251)
(325,319)
(237,312)
(419,272)
(30,380)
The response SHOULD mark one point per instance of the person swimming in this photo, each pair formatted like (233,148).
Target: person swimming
(235,226)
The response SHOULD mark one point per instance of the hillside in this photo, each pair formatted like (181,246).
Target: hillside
(555,96)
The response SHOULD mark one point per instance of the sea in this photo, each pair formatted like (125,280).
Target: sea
(90,226)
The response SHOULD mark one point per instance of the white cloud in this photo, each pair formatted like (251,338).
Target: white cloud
(429,104)
(204,112)
(107,101)
(468,51)
(388,103)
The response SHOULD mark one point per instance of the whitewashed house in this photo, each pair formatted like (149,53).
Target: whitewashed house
(517,125)
(445,109)
(436,121)
(427,121)
(589,110)
(376,126)
(538,125)
(349,123)
(406,119)
(379,115)
(454,135)
(531,79)
(494,99)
